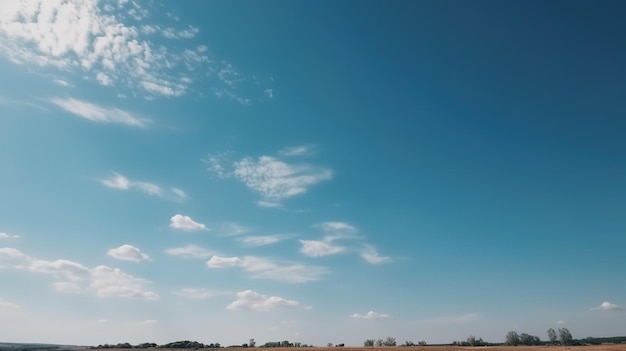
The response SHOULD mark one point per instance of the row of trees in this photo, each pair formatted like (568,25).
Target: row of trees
(389,341)
(563,337)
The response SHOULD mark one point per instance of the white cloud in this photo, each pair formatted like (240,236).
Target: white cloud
(68,287)
(9,236)
(301,150)
(9,253)
(185,223)
(269,204)
(92,38)
(338,230)
(128,253)
(278,180)
(171,33)
(560,321)
(370,315)
(120,182)
(370,255)
(190,251)
(8,305)
(179,193)
(262,268)
(607,306)
(251,300)
(117,181)
(315,248)
(262,240)
(224,262)
(110,282)
(61,268)
(197,294)
(62,83)
(270,93)
(103,79)
(96,113)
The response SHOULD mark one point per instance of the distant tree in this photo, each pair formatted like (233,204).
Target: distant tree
(297,344)
(565,337)
(330,344)
(408,343)
(389,341)
(512,339)
(252,343)
(552,336)
(380,342)
(422,343)
(368,343)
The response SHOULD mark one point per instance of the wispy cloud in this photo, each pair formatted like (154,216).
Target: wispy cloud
(64,269)
(263,268)
(185,223)
(101,41)
(96,113)
(369,254)
(190,251)
(128,253)
(9,236)
(275,180)
(197,294)
(9,253)
(607,306)
(120,182)
(251,300)
(301,150)
(278,180)
(269,204)
(262,240)
(112,282)
(370,315)
(314,248)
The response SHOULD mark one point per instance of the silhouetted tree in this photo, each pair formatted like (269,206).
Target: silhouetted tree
(552,336)
(512,339)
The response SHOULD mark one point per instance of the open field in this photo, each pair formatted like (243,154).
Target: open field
(605,347)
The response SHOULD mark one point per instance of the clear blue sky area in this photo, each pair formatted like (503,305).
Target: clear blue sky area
(312,171)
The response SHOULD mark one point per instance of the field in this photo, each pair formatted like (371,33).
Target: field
(604,347)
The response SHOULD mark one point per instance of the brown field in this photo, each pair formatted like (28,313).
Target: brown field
(604,347)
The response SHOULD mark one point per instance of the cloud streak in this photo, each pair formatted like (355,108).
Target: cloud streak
(263,268)
(96,113)
(120,182)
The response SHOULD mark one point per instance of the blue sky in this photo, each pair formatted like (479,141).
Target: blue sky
(311,171)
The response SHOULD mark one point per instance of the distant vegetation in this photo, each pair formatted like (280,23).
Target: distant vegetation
(555,337)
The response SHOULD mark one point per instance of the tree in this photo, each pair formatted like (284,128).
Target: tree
(379,343)
(390,341)
(422,343)
(330,344)
(565,337)
(251,343)
(368,343)
(512,339)
(552,336)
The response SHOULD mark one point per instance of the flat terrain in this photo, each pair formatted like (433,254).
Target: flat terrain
(605,347)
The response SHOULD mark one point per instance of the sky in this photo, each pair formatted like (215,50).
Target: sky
(312,171)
